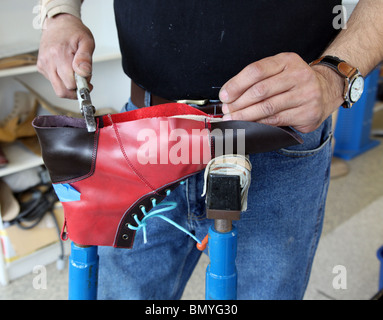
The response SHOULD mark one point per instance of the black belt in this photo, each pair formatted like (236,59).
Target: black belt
(137,95)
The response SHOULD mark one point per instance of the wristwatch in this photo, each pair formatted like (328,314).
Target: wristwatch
(354,81)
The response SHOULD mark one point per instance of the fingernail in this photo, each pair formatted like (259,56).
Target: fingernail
(85,67)
(226,117)
(223,95)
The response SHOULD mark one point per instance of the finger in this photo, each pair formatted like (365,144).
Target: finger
(57,67)
(42,71)
(268,107)
(90,86)
(60,89)
(61,75)
(250,75)
(296,118)
(82,62)
(41,66)
(65,71)
(262,90)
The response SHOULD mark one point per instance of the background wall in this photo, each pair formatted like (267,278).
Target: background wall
(111,86)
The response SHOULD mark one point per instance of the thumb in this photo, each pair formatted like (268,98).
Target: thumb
(82,61)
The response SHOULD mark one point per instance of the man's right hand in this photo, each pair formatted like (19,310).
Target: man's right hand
(66,47)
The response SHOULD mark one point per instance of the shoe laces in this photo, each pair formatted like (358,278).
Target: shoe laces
(157,211)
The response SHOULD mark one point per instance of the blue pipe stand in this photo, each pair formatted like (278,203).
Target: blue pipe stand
(353,126)
(83,272)
(379,295)
(380,257)
(223,204)
(221,273)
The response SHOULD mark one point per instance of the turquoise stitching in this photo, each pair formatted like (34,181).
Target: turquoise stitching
(155,212)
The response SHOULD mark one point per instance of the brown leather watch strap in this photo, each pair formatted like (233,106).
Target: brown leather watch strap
(347,70)
(340,66)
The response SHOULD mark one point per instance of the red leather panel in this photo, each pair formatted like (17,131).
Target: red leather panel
(124,176)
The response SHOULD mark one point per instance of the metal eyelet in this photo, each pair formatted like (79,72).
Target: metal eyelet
(125,236)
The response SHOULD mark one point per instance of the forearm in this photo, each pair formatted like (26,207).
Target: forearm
(361,43)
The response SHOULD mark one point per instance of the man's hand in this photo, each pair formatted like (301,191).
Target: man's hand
(66,46)
(283,90)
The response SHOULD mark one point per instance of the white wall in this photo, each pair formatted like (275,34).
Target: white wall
(111,85)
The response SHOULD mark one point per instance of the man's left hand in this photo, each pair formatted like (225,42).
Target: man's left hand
(283,90)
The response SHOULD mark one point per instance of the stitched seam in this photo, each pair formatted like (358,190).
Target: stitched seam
(187,198)
(138,174)
(304,154)
(318,226)
(93,165)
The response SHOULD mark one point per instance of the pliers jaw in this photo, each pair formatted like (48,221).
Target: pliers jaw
(86,107)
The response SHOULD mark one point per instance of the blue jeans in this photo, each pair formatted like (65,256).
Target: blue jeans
(277,235)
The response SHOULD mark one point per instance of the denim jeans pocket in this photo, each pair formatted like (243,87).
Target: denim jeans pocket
(313,142)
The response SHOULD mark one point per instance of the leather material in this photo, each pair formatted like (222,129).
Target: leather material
(347,70)
(339,66)
(135,157)
(256,137)
(66,141)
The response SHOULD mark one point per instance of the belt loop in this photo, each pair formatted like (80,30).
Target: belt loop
(147,100)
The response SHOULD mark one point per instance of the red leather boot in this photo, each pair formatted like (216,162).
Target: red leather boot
(134,159)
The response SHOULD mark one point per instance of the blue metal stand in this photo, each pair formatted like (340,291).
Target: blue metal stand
(223,204)
(221,273)
(83,273)
(380,257)
(353,127)
(379,295)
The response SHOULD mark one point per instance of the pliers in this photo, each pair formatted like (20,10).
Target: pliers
(86,107)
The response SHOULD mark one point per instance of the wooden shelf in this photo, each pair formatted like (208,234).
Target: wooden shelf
(17,71)
(20,158)
(101,54)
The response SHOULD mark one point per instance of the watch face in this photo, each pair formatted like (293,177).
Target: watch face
(357,88)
